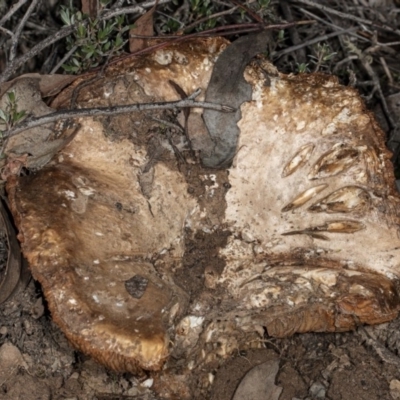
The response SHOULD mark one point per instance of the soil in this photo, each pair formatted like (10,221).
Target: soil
(343,366)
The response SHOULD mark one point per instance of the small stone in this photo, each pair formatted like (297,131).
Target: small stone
(395,389)
(28,327)
(317,390)
(3,331)
(10,359)
(247,236)
(148,383)
(38,308)
(75,375)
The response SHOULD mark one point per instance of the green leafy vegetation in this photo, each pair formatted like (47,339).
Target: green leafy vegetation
(10,115)
(94,41)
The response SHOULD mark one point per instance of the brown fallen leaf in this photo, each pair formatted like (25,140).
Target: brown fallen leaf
(49,85)
(34,147)
(143,27)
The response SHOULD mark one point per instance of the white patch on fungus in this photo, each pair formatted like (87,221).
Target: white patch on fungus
(163,57)
(69,194)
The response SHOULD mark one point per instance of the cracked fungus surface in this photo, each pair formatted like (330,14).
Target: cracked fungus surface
(147,261)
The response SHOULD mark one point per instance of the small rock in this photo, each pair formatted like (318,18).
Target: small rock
(317,390)
(148,383)
(10,360)
(75,375)
(3,331)
(395,389)
(38,308)
(28,327)
(247,236)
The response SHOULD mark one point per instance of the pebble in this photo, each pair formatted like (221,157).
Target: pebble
(317,390)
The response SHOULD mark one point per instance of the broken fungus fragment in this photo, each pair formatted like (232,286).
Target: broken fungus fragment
(123,258)
(344,200)
(304,197)
(298,160)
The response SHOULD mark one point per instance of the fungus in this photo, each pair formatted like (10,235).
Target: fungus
(124,236)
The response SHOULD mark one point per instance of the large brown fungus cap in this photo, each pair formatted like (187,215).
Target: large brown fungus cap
(142,256)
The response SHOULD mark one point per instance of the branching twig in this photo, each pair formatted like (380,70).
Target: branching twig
(64,59)
(12,11)
(131,10)
(18,30)
(205,19)
(32,122)
(349,16)
(310,42)
(18,62)
(222,31)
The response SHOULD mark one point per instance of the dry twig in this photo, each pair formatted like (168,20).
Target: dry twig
(32,122)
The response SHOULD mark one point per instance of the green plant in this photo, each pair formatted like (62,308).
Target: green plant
(202,9)
(10,115)
(323,53)
(94,40)
(264,3)
(302,68)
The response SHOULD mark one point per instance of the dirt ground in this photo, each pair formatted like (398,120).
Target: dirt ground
(37,363)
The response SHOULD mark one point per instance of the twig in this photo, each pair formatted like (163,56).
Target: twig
(222,31)
(169,124)
(18,62)
(312,41)
(387,70)
(6,31)
(17,34)
(32,122)
(205,19)
(344,61)
(325,22)
(12,11)
(131,10)
(63,60)
(294,33)
(248,11)
(366,61)
(117,4)
(170,17)
(348,16)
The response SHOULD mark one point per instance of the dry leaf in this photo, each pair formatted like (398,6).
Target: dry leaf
(49,85)
(143,27)
(39,143)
